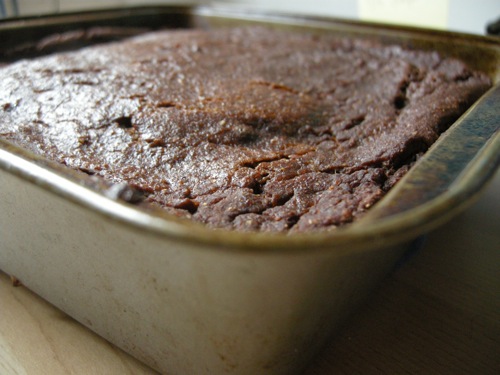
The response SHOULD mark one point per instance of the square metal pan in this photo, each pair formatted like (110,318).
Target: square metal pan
(189,300)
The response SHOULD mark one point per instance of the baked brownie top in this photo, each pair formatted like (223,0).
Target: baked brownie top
(248,128)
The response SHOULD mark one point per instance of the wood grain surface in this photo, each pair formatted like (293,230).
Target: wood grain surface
(439,313)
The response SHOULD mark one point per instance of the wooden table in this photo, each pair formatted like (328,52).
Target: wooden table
(437,314)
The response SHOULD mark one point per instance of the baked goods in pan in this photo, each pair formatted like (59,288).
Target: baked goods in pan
(240,128)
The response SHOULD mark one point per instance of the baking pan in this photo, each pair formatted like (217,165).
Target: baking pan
(186,299)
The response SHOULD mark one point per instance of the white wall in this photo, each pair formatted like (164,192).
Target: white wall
(458,15)
(470,16)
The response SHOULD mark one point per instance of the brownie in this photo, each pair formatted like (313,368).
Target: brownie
(249,129)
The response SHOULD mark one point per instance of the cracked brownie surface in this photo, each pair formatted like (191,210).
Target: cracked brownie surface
(248,129)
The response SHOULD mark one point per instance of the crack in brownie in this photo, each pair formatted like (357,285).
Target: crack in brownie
(241,128)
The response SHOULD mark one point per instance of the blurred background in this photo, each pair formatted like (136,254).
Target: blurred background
(469,16)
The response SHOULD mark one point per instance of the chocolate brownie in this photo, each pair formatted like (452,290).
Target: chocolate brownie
(241,128)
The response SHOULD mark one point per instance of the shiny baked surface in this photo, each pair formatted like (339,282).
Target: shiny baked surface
(250,129)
